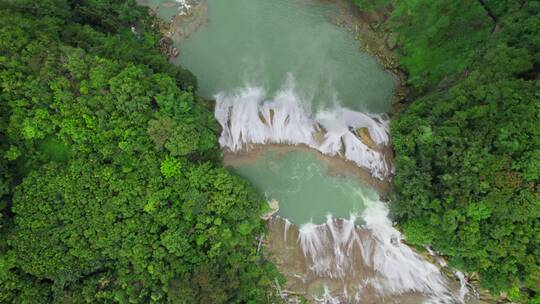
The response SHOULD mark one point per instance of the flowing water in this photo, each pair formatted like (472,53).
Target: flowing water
(282,74)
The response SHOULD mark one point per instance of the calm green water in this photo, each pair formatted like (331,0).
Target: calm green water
(303,187)
(260,42)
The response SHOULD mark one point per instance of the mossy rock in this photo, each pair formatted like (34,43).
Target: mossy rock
(363,134)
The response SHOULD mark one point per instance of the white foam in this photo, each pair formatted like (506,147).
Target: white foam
(247,118)
(401,269)
(331,251)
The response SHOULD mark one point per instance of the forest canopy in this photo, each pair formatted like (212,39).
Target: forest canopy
(110,185)
(467,138)
(111,188)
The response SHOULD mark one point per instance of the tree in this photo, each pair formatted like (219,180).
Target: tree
(112,191)
(467,149)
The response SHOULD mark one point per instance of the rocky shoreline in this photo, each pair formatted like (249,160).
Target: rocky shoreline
(189,18)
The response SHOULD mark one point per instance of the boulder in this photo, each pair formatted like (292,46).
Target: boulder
(363,134)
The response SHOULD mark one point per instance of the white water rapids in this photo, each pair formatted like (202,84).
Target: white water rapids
(247,118)
(370,261)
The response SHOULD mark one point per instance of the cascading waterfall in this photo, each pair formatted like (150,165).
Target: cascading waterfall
(287,226)
(400,268)
(361,259)
(370,259)
(463,284)
(327,297)
(247,119)
(367,259)
(329,261)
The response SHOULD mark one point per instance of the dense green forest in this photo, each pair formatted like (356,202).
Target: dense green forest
(110,186)
(467,141)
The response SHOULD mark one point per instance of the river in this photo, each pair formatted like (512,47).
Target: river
(302,112)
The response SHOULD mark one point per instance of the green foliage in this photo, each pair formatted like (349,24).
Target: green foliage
(433,40)
(467,154)
(370,5)
(109,184)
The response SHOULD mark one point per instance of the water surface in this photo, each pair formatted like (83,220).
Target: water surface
(164,9)
(303,185)
(261,42)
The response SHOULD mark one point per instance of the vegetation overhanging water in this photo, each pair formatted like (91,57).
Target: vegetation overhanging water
(112,188)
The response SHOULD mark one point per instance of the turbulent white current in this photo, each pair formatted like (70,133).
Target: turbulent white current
(369,260)
(247,118)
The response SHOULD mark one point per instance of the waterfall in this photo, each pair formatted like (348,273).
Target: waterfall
(331,261)
(287,226)
(370,259)
(463,285)
(401,269)
(247,118)
(327,297)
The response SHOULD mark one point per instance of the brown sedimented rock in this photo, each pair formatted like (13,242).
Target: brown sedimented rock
(363,134)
